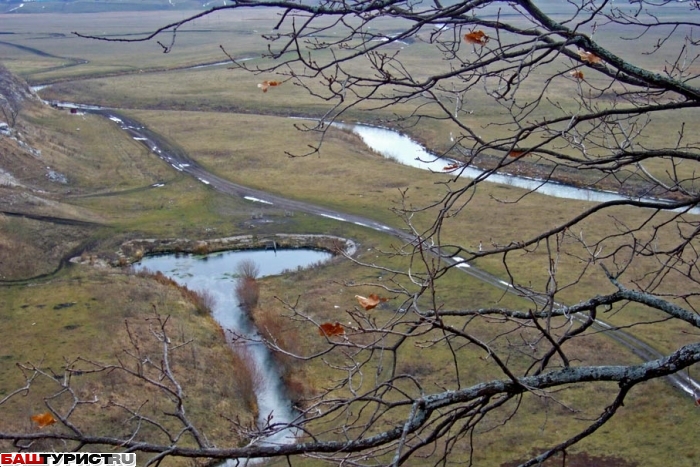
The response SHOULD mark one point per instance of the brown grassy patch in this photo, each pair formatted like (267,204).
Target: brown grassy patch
(30,248)
(202,300)
(92,327)
(248,293)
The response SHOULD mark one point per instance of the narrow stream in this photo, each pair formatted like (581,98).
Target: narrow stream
(215,274)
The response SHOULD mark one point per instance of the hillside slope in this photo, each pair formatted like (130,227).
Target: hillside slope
(51,159)
(63,177)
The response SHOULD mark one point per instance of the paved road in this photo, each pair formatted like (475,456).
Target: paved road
(181,162)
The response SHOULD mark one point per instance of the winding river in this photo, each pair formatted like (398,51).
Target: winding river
(404,150)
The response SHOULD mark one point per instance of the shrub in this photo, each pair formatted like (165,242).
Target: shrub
(201,249)
(248,293)
(203,301)
(247,269)
(248,379)
(285,335)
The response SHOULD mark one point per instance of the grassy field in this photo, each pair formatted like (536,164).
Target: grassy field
(82,313)
(42,48)
(226,90)
(322,295)
(220,117)
(349,178)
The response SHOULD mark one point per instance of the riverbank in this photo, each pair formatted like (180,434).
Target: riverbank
(134,250)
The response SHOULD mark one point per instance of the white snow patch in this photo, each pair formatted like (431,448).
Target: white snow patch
(461,262)
(334,217)
(256,200)
(6,179)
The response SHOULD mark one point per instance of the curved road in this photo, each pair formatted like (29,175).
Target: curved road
(181,162)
